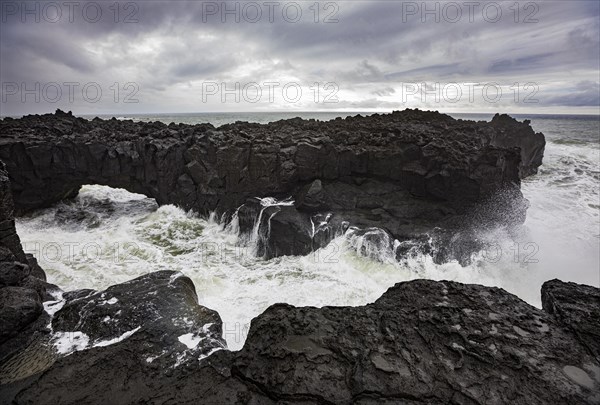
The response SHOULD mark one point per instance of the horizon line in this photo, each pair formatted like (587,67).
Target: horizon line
(297,112)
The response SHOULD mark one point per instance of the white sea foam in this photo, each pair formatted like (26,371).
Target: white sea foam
(190,340)
(66,343)
(560,238)
(118,339)
(52,307)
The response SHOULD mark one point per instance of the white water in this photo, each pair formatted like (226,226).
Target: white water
(560,238)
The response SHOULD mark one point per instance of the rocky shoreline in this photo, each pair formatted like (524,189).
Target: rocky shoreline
(422,178)
(409,174)
(421,342)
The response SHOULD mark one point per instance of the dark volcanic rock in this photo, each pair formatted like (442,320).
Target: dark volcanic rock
(119,340)
(12,273)
(510,133)
(408,172)
(83,213)
(200,167)
(8,233)
(36,270)
(290,232)
(163,304)
(421,342)
(20,307)
(22,281)
(577,307)
(204,168)
(313,198)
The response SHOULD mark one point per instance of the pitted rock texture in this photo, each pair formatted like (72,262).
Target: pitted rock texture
(426,341)
(577,307)
(433,342)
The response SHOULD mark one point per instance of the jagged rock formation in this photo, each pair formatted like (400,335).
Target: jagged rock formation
(10,244)
(153,322)
(421,342)
(22,281)
(408,172)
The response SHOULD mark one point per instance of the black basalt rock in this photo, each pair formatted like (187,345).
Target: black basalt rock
(576,307)
(407,172)
(428,153)
(422,341)
(20,307)
(22,283)
(122,343)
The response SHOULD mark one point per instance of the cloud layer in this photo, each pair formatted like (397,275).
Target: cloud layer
(192,56)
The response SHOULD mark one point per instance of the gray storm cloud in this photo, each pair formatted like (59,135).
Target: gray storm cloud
(239,56)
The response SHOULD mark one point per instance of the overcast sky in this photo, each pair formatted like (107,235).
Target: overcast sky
(179,56)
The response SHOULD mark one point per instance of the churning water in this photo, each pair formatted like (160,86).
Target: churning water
(108,236)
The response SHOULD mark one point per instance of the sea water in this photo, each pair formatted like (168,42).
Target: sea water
(108,236)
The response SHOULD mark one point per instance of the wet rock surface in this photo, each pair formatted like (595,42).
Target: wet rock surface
(142,329)
(408,172)
(163,304)
(23,284)
(148,341)
(205,168)
(20,307)
(421,342)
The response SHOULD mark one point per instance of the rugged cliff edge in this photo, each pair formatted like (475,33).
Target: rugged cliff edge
(421,342)
(409,173)
(23,284)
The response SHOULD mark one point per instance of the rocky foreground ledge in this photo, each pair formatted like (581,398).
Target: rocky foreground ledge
(415,175)
(148,341)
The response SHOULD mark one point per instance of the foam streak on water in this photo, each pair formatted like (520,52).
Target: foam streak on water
(110,236)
